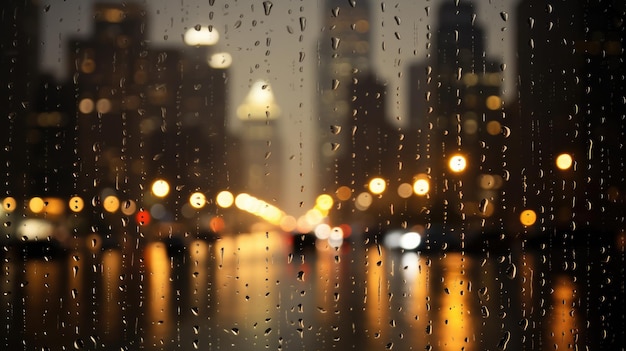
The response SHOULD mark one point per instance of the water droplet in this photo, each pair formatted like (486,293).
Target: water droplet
(482,207)
(531,22)
(504,15)
(235,331)
(267,331)
(511,271)
(484,311)
(334,146)
(300,276)
(302,23)
(197,27)
(334,41)
(267,6)
(502,344)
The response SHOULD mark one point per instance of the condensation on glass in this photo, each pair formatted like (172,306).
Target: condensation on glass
(337,174)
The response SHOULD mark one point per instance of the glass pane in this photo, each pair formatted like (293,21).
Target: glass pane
(332,174)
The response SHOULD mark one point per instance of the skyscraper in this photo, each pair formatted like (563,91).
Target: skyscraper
(344,51)
(20,53)
(456,116)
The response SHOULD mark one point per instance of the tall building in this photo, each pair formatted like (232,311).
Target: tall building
(260,147)
(147,113)
(19,52)
(456,118)
(573,106)
(344,51)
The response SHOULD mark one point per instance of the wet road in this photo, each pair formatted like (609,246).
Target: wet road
(253,292)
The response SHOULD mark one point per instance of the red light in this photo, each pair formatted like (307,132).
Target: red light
(217,224)
(347,230)
(143,217)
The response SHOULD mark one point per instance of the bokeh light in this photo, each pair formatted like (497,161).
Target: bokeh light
(528,217)
(421,187)
(76,204)
(160,188)
(405,190)
(197,200)
(343,193)
(111,203)
(9,204)
(225,199)
(377,185)
(36,205)
(457,163)
(201,36)
(564,161)
(324,202)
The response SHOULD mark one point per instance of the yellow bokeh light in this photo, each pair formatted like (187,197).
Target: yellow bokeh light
(494,127)
(76,204)
(104,105)
(344,193)
(129,207)
(564,161)
(377,185)
(111,203)
(86,106)
(36,205)
(363,201)
(493,102)
(9,204)
(160,188)
(405,190)
(225,199)
(197,200)
(457,163)
(54,206)
(324,202)
(421,187)
(528,217)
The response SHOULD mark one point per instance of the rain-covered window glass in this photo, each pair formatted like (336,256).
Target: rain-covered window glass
(312,175)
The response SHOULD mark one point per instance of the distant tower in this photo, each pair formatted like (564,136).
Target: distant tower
(456,105)
(261,155)
(19,50)
(111,72)
(344,49)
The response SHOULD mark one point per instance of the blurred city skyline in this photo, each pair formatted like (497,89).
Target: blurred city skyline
(280,49)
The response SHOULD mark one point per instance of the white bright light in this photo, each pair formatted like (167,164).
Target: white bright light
(197,200)
(457,163)
(220,60)
(202,37)
(160,188)
(322,231)
(225,199)
(410,240)
(377,185)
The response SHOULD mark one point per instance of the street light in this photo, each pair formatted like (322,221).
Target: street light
(160,188)
(377,185)
(564,161)
(457,163)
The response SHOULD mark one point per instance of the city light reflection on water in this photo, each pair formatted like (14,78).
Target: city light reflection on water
(251,291)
